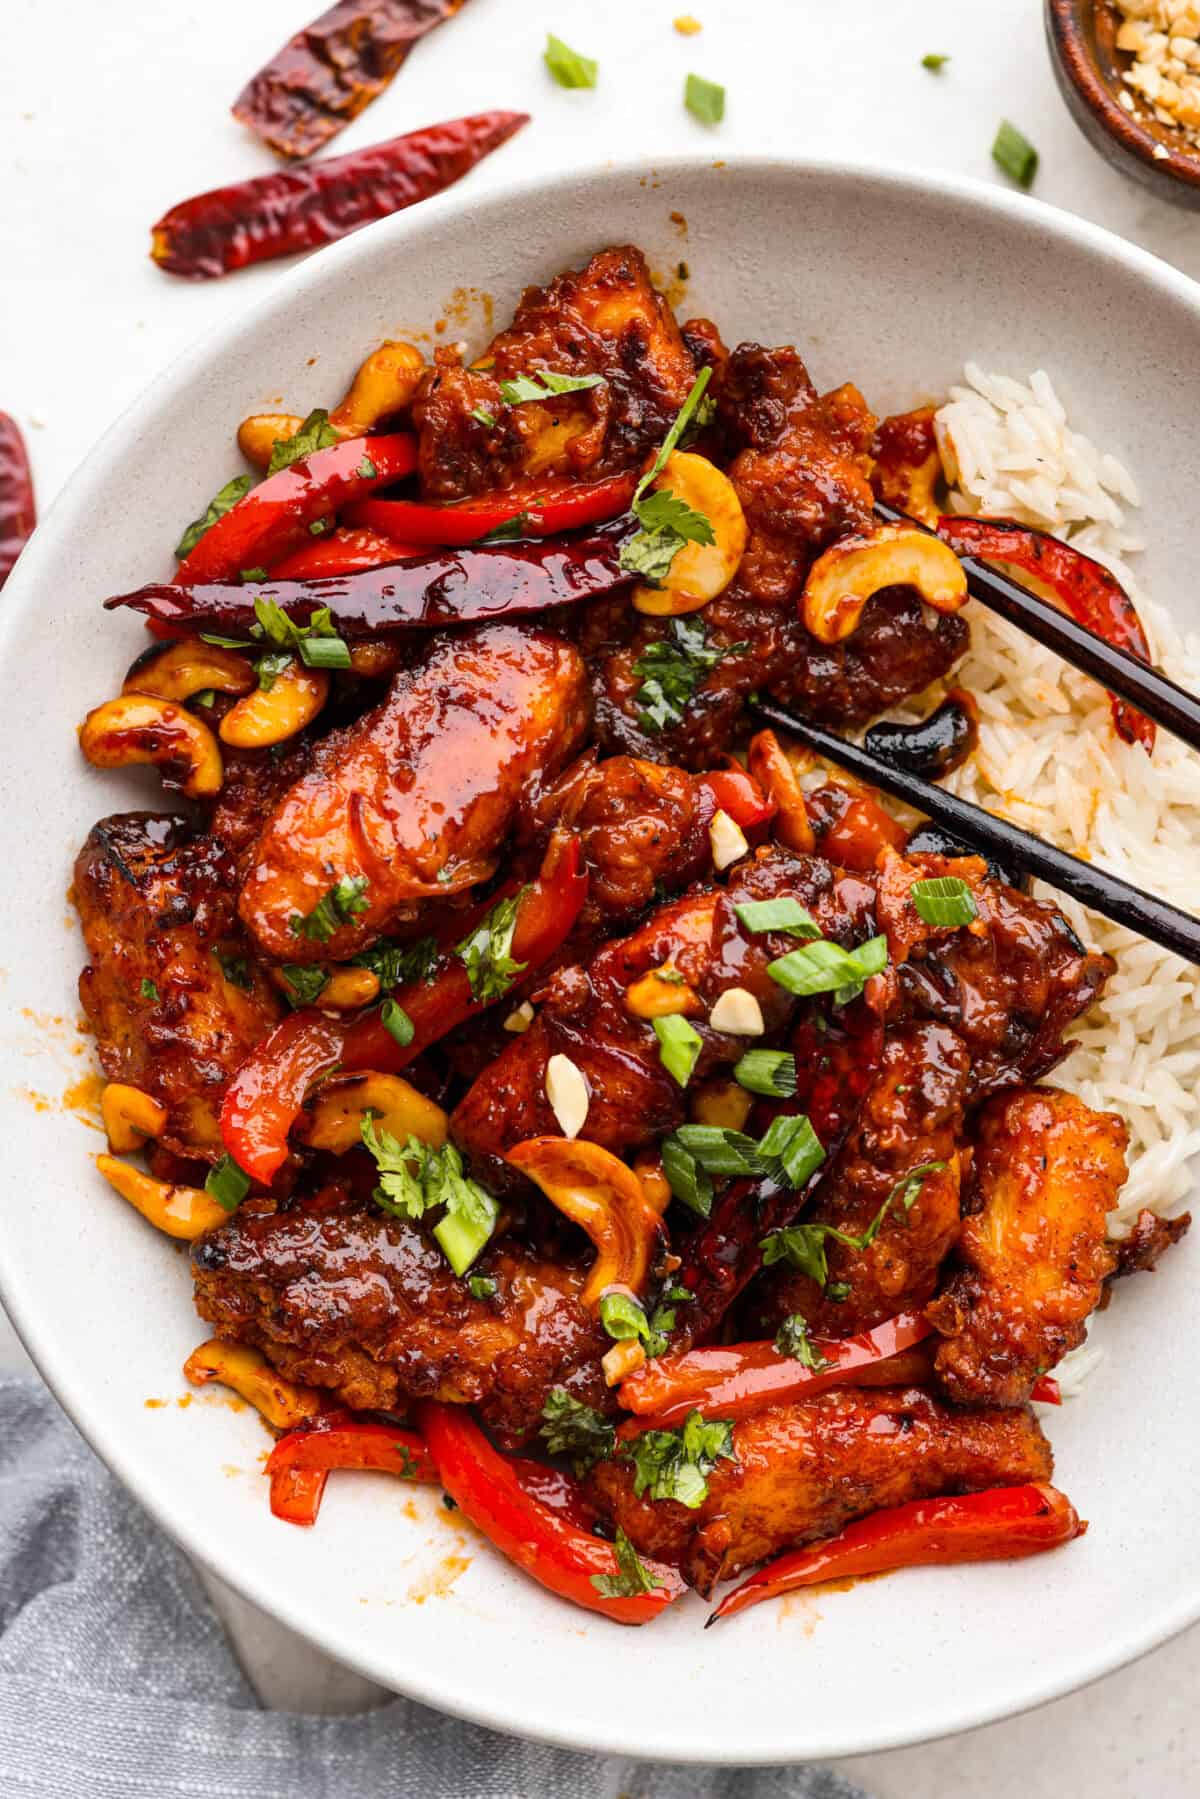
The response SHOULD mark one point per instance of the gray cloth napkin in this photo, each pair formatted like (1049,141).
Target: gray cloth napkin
(116,1681)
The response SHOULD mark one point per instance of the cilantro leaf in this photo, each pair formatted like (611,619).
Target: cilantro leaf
(415,1178)
(343,902)
(792,1339)
(675,1464)
(399,964)
(671,669)
(221,503)
(545,384)
(802,1246)
(486,951)
(305,981)
(316,433)
(401,1189)
(666,521)
(573,1429)
(631,1578)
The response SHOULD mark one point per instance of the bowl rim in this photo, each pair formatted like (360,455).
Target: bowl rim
(63,1374)
(1073,56)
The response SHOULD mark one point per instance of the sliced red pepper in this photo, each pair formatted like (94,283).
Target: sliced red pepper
(739,794)
(276,517)
(851,828)
(341,553)
(997,1526)
(544,511)
(325,75)
(17,511)
(339,1440)
(296,1494)
(438,587)
(1047,1390)
(538,1539)
(742,1378)
(1092,596)
(544,920)
(229,228)
(263,1100)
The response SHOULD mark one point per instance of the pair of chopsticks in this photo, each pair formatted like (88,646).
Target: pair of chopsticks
(1169,705)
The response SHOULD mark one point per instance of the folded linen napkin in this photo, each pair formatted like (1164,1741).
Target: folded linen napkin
(116,1681)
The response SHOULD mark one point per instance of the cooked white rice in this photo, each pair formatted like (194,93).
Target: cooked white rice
(1049,760)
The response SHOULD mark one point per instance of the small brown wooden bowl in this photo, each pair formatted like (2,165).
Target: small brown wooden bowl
(1088,68)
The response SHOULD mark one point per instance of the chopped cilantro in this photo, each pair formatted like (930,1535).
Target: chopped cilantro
(573,1429)
(344,901)
(235,968)
(671,669)
(398,964)
(316,433)
(149,990)
(317,642)
(545,384)
(631,1577)
(305,980)
(667,523)
(217,507)
(802,1246)
(792,1339)
(487,950)
(366,469)
(675,1464)
(414,1178)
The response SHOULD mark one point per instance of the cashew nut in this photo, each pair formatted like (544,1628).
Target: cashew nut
(272,715)
(258,435)
(183,1212)
(176,671)
(281,1402)
(700,571)
(385,383)
(842,580)
(374,660)
(130,1116)
(349,988)
(605,1198)
(657,995)
(138,727)
(722,1103)
(342,1103)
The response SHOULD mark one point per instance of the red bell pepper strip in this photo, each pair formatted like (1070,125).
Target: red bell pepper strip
(296,209)
(545,511)
(739,794)
(851,828)
(439,587)
(538,1539)
(1093,597)
(544,919)
(17,511)
(342,553)
(296,1494)
(743,1378)
(339,1440)
(264,1097)
(1046,1389)
(334,67)
(996,1526)
(276,517)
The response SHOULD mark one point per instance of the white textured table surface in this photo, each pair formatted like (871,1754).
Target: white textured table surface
(110,113)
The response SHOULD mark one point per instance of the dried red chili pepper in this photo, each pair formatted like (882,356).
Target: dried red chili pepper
(17,512)
(296,209)
(325,75)
(449,587)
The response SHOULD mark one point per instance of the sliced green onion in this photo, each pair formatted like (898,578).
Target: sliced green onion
(482,1286)
(933,61)
(678,1046)
(252,574)
(623,1318)
(824,967)
(227,1184)
(396,1022)
(462,1236)
(778,915)
(685,1177)
(367,470)
(944,900)
(771,1072)
(567,66)
(705,100)
(325,652)
(791,1149)
(1014,153)
(482,416)
(149,990)
(720,1150)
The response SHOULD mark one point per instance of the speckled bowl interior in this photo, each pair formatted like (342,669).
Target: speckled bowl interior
(890,279)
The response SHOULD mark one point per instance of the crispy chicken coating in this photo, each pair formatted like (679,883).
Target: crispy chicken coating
(1034,1254)
(174,1001)
(413,801)
(800,1472)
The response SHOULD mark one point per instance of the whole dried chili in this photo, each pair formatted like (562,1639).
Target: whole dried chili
(446,587)
(297,209)
(325,75)
(17,512)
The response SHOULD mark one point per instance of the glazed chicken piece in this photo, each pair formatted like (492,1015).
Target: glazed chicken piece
(604,319)
(1033,1257)
(584,1013)
(414,800)
(255,782)
(801,472)
(1142,1250)
(340,1295)
(174,1001)
(801,1472)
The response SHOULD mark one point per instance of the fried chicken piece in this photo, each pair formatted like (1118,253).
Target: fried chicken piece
(255,782)
(1034,1255)
(1142,1250)
(605,319)
(340,1295)
(416,797)
(801,1472)
(157,907)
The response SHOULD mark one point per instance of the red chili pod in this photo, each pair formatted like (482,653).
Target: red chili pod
(297,209)
(17,512)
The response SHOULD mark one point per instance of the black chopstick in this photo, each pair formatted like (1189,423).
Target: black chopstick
(1147,688)
(1154,918)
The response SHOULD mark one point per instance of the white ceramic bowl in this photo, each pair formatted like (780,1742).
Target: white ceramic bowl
(887,279)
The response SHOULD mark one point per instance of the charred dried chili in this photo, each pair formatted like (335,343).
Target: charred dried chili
(997,1526)
(325,75)
(544,1542)
(278,515)
(297,209)
(18,514)
(448,587)
(541,511)
(1093,597)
